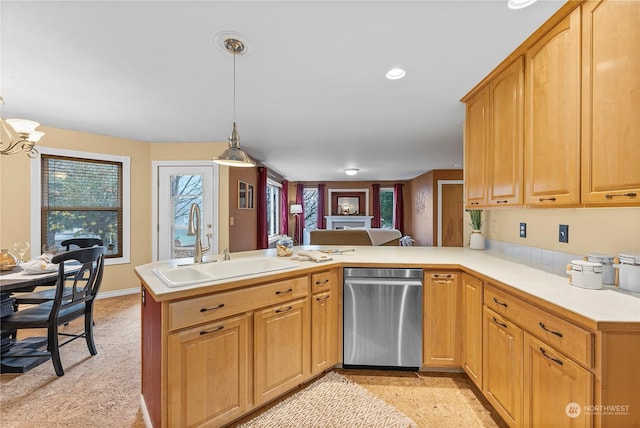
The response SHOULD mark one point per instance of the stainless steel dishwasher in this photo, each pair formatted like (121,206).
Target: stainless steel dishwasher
(382,318)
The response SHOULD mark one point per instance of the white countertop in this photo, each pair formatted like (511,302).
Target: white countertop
(602,306)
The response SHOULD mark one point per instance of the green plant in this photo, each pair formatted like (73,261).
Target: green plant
(476,219)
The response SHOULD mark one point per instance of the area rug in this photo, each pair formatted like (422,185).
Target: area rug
(332,402)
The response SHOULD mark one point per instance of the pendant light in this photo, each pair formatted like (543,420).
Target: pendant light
(233,156)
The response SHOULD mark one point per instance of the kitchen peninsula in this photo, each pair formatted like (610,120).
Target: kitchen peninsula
(257,337)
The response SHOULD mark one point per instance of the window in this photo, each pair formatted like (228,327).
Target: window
(310,202)
(79,194)
(273,208)
(386,208)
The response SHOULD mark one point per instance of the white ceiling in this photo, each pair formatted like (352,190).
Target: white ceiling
(311,94)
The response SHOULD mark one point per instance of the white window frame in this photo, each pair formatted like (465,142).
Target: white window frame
(36,195)
(275,237)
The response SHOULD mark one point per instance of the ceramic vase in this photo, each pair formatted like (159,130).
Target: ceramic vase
(476,241)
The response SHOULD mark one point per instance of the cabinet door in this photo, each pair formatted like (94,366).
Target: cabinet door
(324,330)
(475,149)
(472,328)
(281,349)
(208,373)
(502,366)
(556,389)
(611,103)
(552,116)
(441,327)
(506,136)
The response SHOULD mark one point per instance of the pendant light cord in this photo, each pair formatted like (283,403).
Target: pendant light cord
(234,85)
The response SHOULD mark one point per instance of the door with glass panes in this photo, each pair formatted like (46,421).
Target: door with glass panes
(178,188)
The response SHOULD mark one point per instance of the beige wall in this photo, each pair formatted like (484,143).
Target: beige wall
(15,186)
(591,230)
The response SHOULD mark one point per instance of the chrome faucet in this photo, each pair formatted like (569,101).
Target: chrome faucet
(194,229)
(225,255)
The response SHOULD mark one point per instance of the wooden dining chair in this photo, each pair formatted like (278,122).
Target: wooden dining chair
(84,285)
(81,243)
(41,296)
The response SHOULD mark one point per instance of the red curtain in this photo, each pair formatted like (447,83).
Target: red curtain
(261,209)
(284,208)
(375,195)
(321,221)
(398,212)
(297,235)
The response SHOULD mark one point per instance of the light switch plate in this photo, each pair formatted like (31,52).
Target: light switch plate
(523,230)
(563,233)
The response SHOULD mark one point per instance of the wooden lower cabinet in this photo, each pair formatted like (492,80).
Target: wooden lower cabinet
(324,330)
(556,390)
(502,366)
(472,290)
(441,329)
(281,349)
(208,374)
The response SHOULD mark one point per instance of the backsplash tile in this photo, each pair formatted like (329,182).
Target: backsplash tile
(539,258)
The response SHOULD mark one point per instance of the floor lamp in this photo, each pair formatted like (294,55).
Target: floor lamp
(296,210)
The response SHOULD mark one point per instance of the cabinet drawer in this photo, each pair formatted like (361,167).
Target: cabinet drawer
(321,281)
(216,306)
(562,335)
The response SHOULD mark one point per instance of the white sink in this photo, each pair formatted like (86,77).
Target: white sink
(209,272)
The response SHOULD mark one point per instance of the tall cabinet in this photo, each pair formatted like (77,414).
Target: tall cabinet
(506,135)
(552,116)
(611,103)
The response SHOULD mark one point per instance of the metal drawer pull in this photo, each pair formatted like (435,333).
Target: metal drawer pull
(203,332)
(221,305)
(546,199)
(474,203)
(284,292)
(322,282)
(322,297)
(626,195)
(557,333)
(500,303)
(495,320)
(555,360)
(501,202)
(287,309)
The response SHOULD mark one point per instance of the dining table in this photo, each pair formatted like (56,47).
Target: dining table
(14,354)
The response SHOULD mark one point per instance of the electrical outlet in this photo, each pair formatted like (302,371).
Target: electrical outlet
(523,230)
(563,234)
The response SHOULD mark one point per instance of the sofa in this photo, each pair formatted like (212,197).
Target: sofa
(370,237)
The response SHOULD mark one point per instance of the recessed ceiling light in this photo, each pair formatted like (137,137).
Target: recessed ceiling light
(519,4)
(395,74)
(351,171)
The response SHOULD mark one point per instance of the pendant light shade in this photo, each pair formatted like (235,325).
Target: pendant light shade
(234,156)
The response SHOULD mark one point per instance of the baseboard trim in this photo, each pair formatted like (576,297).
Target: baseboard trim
(145,413)
(118,293)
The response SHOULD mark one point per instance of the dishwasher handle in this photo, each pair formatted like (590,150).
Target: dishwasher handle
(383,281)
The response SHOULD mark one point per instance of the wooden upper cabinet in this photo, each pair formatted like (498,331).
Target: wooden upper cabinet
(475,149)
(506,136)
(552,116)
(611,103)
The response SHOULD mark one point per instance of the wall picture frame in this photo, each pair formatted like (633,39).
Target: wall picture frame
(245,195)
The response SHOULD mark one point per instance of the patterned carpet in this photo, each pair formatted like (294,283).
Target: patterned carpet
(333,401)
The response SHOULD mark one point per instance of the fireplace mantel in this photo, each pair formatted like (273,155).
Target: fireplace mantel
(340,221)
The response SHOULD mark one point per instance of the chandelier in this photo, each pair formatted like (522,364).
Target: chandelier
(21,136)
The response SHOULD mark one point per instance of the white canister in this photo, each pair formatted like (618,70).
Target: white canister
(629,272)
(608,274)
(585,274)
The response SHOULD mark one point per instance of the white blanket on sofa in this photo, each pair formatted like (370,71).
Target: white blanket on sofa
(380,236)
